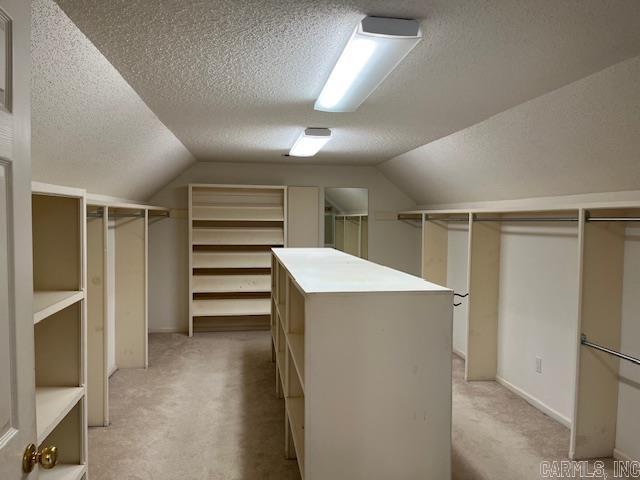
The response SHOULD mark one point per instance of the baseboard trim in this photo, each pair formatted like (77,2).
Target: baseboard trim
(459,353)
(618,455)
(535,402)
(168,330)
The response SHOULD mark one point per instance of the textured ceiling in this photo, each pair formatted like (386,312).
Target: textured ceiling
(236,80)
(89,127)
(581,138)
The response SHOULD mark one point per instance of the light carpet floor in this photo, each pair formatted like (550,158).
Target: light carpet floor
(206,409)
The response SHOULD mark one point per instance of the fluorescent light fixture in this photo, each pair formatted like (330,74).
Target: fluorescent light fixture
(375,48)
(310,141)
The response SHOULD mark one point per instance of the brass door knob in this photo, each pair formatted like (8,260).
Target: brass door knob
(47,458)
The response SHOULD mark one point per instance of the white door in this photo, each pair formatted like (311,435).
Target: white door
(17,389)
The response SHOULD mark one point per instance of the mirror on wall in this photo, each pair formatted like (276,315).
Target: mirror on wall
(346,220)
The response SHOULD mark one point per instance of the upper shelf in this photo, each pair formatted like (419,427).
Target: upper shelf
(46,303)
(253,213)
(238,236)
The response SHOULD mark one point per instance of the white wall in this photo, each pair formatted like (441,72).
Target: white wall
(391,243)
(457,267)
(628,431)
(538,313)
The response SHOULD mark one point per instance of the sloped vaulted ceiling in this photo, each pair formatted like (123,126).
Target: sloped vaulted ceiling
(236,80)
(90,129)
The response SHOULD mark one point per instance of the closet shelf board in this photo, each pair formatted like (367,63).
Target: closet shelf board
(238,236)
(63,472)
(253,213)
(231,283)
(52,405)
(231,307)
(295,412)
(296,345)
(46,303)
(231,259)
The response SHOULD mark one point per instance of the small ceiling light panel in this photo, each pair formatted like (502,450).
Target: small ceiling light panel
(375,48)
(310,141)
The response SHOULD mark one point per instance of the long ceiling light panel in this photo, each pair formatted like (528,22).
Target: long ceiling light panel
(375,48)
(310,141)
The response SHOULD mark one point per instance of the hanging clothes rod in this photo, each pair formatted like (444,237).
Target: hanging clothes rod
(525,219)
(587,343)
(98,213)
(613,219)
(126,215)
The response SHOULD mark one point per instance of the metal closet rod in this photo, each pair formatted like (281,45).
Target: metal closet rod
(126,215)
(584,341)
(535,219)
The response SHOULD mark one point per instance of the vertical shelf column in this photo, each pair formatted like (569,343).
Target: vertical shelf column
(596,404)
(435,239)
(483,287)
(60,329)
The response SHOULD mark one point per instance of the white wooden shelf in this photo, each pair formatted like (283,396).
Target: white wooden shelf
(231,307)
(296,346)
(52,405)
(231,259)
(238,236)
(252,213)
(295,412)
(231,283)
(63,472)
(245,221)
(46,303)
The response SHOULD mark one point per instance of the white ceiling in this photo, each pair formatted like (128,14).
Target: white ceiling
(581,138)
(89,127)
(236,80)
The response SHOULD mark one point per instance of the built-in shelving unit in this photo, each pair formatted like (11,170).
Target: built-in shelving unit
(117,253)
(602,230)
(231,231)
(333,319)
(59,277)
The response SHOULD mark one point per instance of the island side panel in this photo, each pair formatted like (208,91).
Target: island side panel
(378,386)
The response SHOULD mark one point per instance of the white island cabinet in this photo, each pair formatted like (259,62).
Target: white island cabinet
(363,355)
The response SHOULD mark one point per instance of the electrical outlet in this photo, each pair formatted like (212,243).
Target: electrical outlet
(538,365)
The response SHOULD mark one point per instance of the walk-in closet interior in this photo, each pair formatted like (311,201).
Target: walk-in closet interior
(301,240)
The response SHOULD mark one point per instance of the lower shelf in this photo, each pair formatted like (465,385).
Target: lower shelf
(231,307)
(52,405)
(295,412)
(63,472)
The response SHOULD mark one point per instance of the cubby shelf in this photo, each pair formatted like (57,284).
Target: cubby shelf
(295,413)
(231,283)
(230,307)
(238,236)
(238,260)
(46,303)
(63,472)
(251,213)
(296,347)
(52,405)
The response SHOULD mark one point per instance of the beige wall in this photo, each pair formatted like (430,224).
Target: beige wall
(391,243)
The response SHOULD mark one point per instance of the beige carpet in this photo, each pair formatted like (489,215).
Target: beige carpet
(206,409)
